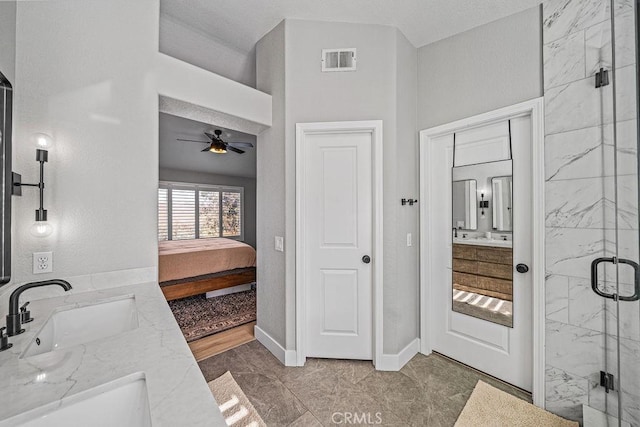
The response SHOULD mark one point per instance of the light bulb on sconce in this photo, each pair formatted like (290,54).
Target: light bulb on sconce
(41,227)
(42,141)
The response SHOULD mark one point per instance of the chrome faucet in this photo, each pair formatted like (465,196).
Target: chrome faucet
(16,316)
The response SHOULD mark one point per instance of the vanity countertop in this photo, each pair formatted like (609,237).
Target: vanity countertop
(483,241)
(177,392)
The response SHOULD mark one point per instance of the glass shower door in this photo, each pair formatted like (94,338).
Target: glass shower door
(616,275)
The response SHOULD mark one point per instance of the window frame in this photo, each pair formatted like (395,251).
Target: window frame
(174,185)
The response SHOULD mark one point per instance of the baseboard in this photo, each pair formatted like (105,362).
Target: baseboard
(231,290)
(286,357)
(395,362)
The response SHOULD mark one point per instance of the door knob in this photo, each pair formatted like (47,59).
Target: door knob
(522,268)
(366,259)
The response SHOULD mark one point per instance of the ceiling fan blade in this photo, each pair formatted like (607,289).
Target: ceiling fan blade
(193,140)
(210,135)
(240,144)
(206,149)
(234,149)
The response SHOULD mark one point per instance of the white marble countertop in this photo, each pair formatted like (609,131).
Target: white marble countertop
(483,241)
(177,391)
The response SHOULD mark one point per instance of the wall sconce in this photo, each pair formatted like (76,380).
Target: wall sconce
(484,204)
(41,227)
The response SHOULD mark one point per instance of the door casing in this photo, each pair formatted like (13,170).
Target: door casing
(375,128)
(534,108)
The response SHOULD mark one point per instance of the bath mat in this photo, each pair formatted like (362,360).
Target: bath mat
(233,403)
(490,407)
(199,316)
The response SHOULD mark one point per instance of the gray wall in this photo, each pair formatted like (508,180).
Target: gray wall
(379,89)
(199,49)
(270,169)
(401,308)
(8,39)
(488,67)
(249,185)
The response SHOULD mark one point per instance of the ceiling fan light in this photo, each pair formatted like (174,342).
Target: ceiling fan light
(218,149)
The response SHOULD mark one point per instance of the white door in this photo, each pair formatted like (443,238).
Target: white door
(500,351)
(337,214)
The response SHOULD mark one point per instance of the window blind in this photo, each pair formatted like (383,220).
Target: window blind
(195,211)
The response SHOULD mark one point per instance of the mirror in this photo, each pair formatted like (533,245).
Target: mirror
(6,102)
(502,188)
(465,212)
(482,254)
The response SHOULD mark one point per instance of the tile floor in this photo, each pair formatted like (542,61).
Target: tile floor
(429,391)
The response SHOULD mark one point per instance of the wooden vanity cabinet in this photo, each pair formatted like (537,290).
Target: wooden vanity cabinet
(485,270)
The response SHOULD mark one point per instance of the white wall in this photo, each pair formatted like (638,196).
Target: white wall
(488,67)
(85,75)
(8,39)
(201,50)
(249,184)
(374,91)
(89,73)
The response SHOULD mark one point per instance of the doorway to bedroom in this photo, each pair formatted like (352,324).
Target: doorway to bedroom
(207,232)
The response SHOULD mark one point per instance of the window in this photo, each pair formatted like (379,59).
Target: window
(195,211)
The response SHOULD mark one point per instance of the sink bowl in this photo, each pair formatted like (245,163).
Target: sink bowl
(69,327)
(119,403)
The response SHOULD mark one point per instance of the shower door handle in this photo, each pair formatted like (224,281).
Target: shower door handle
(594,276)
(636,280)
(613,260)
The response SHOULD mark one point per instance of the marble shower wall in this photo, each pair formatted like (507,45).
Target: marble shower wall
(581,218)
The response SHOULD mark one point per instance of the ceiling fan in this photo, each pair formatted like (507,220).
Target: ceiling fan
(218,146)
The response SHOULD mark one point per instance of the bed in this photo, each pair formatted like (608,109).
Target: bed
(192,267)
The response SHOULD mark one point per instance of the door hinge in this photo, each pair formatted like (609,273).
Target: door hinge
(606,381)
(602,78)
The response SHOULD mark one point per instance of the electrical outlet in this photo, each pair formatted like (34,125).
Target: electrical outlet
(279,244)
(409,240)
(42,262)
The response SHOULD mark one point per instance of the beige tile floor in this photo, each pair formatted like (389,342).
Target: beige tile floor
(428,391)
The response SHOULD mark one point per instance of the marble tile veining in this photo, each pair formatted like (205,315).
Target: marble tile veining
(564,60)
(575,350)
(177,392)
(598,44)
(584,209)
(565,393)
(563,17)
(576,105)
(557,298)
(575,154)
(569,251)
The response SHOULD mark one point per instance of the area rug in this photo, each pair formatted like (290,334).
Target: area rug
(233,403)
(199,316)
(489,406)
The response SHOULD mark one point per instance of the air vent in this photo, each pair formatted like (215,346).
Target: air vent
(338,59)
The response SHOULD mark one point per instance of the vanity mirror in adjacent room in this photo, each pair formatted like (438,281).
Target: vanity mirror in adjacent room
(465,212)
(482,254)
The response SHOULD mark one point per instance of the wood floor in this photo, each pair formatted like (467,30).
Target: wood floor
(222,341)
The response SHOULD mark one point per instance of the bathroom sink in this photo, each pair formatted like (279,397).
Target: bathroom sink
(72,326)
(483,241)
(119,403)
